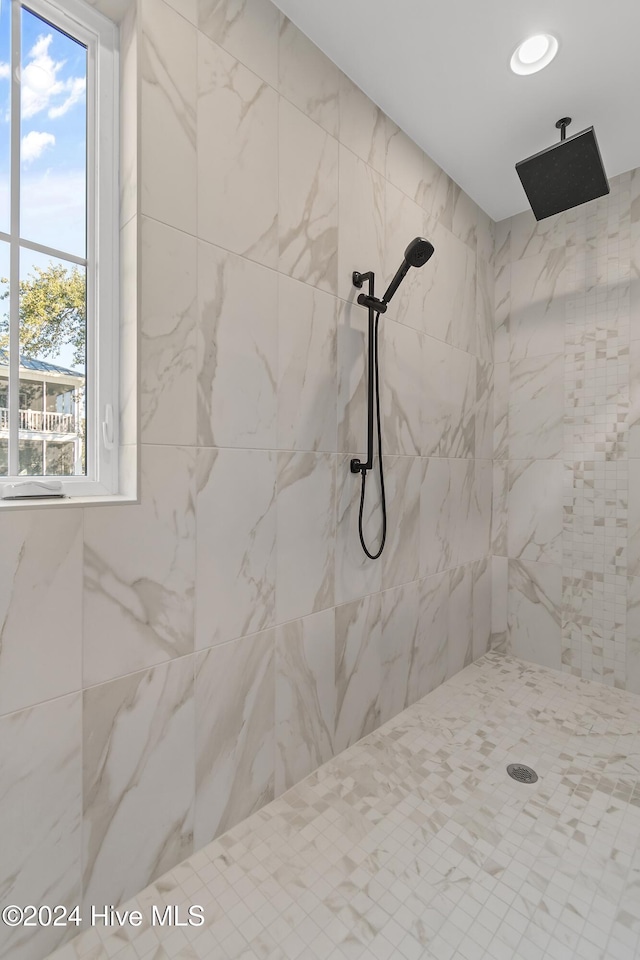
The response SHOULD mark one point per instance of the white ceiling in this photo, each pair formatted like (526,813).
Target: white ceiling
(441,71)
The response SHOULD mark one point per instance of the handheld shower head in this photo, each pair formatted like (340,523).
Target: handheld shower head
(416,255)
(418,252)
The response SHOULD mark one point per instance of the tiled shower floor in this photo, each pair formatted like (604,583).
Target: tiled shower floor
(415,843)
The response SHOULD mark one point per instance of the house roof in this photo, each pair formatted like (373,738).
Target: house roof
(29,363)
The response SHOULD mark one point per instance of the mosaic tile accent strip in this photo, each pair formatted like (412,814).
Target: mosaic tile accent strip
(415,843)
(596,434)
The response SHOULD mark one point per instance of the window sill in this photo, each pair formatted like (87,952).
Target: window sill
(108,500)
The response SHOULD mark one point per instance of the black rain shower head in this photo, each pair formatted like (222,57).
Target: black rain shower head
(416,255)
(564,175)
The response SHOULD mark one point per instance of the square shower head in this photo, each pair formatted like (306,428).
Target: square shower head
(564,175)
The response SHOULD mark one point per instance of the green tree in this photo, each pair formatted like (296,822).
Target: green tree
(53,313)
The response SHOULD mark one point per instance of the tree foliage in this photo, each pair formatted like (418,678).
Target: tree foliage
(53,313)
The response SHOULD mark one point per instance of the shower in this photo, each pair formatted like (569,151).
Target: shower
(416,255)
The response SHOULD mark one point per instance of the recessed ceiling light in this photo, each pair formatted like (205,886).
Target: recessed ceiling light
(534,54)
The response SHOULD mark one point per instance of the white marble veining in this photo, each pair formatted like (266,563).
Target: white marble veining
(363,126)
(534,507)
(41,750)
(307,368)
(168,65)
(234,699)
(139,591)
(308,78)
(305,529)
(355,575)
(402,378)
(400,640)
(237,156)
(305,697)
(308,200)
(536,408)
(247,29)
(416,843)
(168,335)
(137,822)
(236,545)
(358,669)
(535,593)
(536,318)
(361,222)
(40,607)
(401,556)
(237,351)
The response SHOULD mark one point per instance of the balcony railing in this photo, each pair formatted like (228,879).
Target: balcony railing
(41,421)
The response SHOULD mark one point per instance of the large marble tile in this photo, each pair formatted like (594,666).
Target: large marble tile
(632,665)
(634,398)
(402,363)
(533,612)
(168,116)
(404,220)
(307,367)
(634,281)
(530,237)
(464,220)
(463,512)
(363,126)
(499,592)
(237,156)
(536,408)
(40,606)
(633,544)
(236,548)
(502,248)
(308,200)
(484,409)
(140,571)
(357,669)
(405,165)
(537,308)
(486,238)
(247,29)
(502,303)
(40,818)
(438,193)
(436,406)
(360,224)
(461,619)
(237,351)
(139,773)
(168,335)
(235,719)
(352,355)
(429,656)
(400,639)
(436,548)
(464,407)
(403,482)
(485,309)
(501,410)
(480,510)
(356,574)
(128,346)
(535,510)
(129,153)
(482,585)
(308,78)
(499,509)
(450,290)
(305,697)
(305,534)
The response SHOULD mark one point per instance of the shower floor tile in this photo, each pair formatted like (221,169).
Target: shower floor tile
(415,843)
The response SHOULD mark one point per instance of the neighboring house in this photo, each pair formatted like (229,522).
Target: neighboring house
(51,418)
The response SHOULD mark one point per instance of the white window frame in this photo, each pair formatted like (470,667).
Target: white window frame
(100,36)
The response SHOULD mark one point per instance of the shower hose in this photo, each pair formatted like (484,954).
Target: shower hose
(376,389)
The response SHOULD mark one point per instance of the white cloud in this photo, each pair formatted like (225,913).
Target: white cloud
(34,143)
(42,87)
(5,71)
(76,87)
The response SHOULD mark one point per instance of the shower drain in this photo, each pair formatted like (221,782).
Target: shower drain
(522,773)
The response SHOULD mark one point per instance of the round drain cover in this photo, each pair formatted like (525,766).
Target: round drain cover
(522,773)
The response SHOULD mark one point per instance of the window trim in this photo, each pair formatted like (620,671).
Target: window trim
(100,36)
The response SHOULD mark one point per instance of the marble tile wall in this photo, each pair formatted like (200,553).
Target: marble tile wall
(226,635)
(566,508)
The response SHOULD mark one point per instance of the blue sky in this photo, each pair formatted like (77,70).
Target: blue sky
(53,140)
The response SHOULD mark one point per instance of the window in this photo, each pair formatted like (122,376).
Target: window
(58,245)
